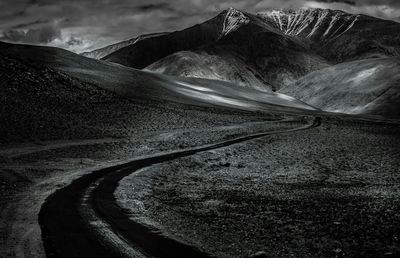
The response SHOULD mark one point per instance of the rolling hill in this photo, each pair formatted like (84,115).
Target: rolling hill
(310,54)
(51,93)
(142,85)
(370,86)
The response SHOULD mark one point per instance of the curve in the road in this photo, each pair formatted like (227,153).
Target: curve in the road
(65,232)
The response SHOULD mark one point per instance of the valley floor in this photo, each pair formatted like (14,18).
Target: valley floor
(326,191)
(32,170)
(329,191)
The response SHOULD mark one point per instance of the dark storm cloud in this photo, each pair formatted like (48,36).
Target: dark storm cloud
(29,24)
(81,25)
(43,35)
(350,2)
(385,9)
(74,42)
(151,7)
(379,2)
(393,3)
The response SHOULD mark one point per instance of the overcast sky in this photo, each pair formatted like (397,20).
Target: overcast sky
(82,25)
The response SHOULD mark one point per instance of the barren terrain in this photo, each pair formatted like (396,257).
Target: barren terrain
(328,191)
(31,171)
(274,134)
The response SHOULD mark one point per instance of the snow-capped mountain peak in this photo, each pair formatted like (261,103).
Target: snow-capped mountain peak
(311,23)
(233,20)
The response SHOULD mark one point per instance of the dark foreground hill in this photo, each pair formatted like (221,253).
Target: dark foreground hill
(51,93)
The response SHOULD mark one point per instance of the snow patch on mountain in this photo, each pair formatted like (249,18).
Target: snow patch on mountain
(234,19)
(311,23)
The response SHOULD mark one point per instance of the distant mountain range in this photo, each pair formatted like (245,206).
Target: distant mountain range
(309,54)
(307,59)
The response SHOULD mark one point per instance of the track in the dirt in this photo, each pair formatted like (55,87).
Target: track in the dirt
(65,232)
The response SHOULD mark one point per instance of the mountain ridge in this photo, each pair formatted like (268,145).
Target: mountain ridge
(315,38)
(296,22)
(104,51)
(275,50)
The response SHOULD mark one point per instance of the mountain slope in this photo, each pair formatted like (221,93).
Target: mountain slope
(369,86)
(105,51)
(40,103)
(256,50)
(49,93)
(149,50)
(313,24)
(286,51)
(338,36)
(201,64)
(141,85)
(273,48)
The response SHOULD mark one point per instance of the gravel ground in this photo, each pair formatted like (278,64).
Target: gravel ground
(43,111)
(331,191)
(27,179)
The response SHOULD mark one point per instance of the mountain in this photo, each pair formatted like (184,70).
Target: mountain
(266,51)
(202,64)
(313,24)
(249,51)
(336,35)
(50,93)
(303,53)
(364,51)
(105,51)
(370,86)
(142,85)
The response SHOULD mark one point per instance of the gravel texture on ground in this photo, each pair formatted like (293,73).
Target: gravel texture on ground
(27,179)
(330,191)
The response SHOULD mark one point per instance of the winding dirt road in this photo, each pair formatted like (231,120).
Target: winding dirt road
(83,219)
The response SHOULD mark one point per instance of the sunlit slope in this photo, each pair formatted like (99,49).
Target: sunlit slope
(200,64)
(134,83)
(233,46)
(221,93)
(369,86)
(266,51)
